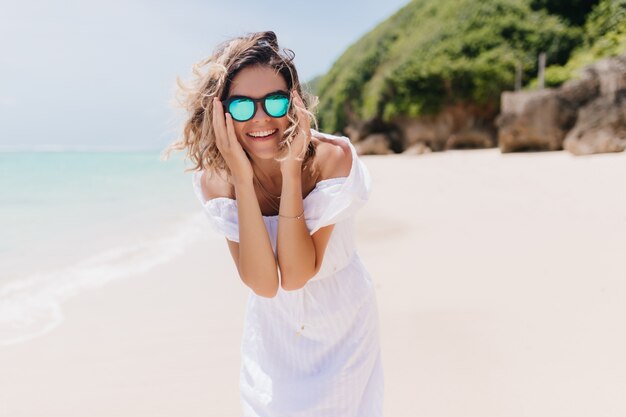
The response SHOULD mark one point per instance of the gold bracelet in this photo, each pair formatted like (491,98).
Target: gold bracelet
(296,217)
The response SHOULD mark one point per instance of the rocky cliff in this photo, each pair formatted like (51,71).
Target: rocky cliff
(584,116)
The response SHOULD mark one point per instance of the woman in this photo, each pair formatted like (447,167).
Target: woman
(285,196)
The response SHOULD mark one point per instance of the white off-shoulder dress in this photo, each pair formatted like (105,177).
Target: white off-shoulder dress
(315,351)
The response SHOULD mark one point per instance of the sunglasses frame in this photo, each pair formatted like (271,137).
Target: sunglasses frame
(261,100)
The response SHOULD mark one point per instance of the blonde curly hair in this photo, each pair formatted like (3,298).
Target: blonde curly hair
(213,77)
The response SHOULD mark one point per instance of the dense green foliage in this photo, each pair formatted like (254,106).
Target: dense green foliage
(574,11)
(604,36)
(607,17)
(431,53)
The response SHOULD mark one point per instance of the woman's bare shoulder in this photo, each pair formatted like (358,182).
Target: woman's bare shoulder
(214,184)
(334,158)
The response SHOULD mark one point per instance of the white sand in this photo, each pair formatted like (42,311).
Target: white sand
(501,284)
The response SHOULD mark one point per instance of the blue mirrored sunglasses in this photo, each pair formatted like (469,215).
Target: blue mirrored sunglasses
(243,108)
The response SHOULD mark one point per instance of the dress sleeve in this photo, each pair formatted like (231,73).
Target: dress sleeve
(336,199)
(221,211)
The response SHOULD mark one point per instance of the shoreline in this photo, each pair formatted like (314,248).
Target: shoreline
(31,305)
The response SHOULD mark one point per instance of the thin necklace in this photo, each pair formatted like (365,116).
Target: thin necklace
(263,188)
(268,196)
(273,204)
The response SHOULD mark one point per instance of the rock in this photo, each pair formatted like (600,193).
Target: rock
(533,121)
(359,131)
(460,125)
(601,123)
(374,144)
(611,73)
(417,149)
(471,139)
(580,91)
(355,132)
(585,115)
(601,126)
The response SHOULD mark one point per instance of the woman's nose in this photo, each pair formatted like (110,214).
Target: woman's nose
(260,113)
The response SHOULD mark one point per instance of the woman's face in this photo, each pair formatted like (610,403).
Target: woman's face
(256,82)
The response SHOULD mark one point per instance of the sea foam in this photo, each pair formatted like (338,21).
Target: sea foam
(32,306)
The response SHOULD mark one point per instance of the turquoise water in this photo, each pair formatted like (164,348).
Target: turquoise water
(46,197)
(72,220)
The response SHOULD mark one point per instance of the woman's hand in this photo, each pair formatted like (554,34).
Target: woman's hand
(228,145)
(291,165)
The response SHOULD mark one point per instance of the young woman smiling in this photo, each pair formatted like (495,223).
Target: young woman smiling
(285,196)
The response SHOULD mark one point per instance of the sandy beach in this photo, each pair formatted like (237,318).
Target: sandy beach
(500,279)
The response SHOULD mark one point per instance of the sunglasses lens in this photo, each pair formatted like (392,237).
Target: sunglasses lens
(241,109)
(277,105)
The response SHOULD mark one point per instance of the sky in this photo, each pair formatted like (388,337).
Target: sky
(100,75)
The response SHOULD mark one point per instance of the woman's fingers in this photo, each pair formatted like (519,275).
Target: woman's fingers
(227,143)
(230,131)
(218,124)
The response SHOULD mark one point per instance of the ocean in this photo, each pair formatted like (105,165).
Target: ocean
(73,221)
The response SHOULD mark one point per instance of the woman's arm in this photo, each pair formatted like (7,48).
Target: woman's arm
(255,258)
(294,245)
(256,262)
(253,255)
(300,254)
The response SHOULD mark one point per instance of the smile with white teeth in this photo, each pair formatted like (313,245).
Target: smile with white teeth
(262,133)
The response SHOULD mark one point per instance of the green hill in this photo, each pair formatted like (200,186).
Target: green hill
(432,53)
